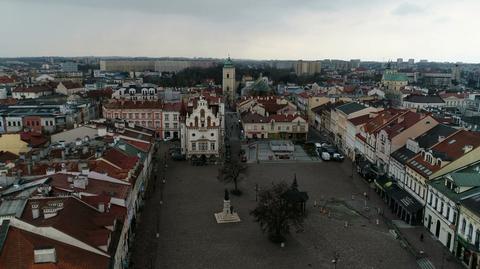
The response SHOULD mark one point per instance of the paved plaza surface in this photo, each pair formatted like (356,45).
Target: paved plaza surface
(189,236)
(177,228)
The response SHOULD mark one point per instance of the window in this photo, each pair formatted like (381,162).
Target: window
(464,224)
(166,116)
(228,75)
(470,232)
(203,146)
(143,115)
(194,146)
(175,117)
(175,125)
(441,207)
(212,146)
(167,125)
(130,115)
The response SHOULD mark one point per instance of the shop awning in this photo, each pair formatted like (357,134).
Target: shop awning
(403,198)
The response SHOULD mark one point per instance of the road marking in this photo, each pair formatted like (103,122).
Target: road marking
(425,263)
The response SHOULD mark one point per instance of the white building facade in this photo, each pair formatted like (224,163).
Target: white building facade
(201,133)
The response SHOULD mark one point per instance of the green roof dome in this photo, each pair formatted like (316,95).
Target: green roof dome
(228,63)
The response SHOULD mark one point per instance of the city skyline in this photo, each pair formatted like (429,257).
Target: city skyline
(310,30)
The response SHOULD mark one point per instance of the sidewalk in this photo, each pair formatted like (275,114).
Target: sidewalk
(430,248)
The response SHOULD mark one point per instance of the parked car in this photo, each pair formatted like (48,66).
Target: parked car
(176,156)
(166,139)
(338,157)
(325,156)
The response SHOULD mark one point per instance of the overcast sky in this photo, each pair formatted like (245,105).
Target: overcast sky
(441,30)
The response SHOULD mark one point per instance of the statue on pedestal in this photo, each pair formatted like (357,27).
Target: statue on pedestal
(228,214)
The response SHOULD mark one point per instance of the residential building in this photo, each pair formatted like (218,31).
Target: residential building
(307,67)
(455,99)
(69,88)
(142,113)
(422,101)
(69,67)
(467,248)
(353,128)
(442,209)
(31,92)
(366,140)
(137,92)
(266,105)
(412,147)
(455,151)
(394,135)
(278,126)
(171,120)
(340,116)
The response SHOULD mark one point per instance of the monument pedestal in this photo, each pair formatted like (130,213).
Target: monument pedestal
(227,215)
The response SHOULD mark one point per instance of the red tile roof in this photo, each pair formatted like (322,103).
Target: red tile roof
(403,122)
(143,146)
(283,118)
(33,139)
(34,89)
(450,149)
(71,85)
(120,159)
(6,80)
(172,106)
(98,187)
(360,120)
(7,156)
(19,247)
(460,95)
(104,167)
(75,218)
(382,119)
(127,104)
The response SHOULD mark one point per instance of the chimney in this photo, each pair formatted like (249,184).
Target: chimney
(101,207)
(35,211)
(64,168)
(467,148)
(441,138)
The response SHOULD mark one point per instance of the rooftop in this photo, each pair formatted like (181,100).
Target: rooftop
(350,108)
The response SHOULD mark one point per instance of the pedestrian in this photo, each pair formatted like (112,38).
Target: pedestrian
(421,237)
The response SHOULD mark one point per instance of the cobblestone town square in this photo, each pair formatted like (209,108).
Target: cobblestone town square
(181,212)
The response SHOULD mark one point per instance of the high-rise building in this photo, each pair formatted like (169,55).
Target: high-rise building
(69,67)
(228,82)
(307,67)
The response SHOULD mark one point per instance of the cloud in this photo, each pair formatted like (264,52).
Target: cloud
(405,9)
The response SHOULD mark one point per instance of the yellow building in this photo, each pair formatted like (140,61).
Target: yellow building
(13,143)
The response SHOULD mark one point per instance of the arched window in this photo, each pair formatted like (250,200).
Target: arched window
(209,121)
(202,113)
(196,121)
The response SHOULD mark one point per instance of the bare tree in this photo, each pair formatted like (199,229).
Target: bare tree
(232,172)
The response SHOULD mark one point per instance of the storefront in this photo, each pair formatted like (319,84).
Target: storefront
(400,202)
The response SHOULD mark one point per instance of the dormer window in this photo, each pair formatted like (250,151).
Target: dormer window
(428,158)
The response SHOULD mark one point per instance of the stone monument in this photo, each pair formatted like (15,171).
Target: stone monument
(228,215)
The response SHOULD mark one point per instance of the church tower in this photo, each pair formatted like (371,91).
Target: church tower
(228,82)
